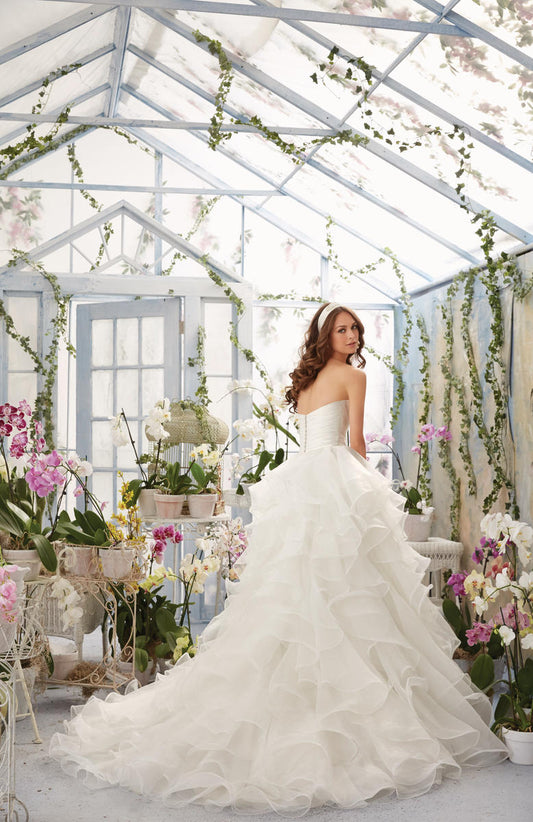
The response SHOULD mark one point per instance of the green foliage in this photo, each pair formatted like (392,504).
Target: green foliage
(87,528)
(482,671)
(201,393)
(23,521)
(174,480)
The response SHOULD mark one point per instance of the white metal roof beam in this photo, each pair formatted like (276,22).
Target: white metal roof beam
(51,32)
(320,114)
(236,192)
(382,78)
(185,162)
(121,34)
(82,98)
(148,223)
(171,125)
(336,18)
(261,212)
(482,34)
(83,61)
(356,189)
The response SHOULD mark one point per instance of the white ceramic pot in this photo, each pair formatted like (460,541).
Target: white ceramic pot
(117,562)
(520,746)
(26,558)
(201,506)
(146,503)
(81,560)
(168,506)
(418,526)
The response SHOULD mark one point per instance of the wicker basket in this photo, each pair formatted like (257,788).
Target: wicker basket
(184,427)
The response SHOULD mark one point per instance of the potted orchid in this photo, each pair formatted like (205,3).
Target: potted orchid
(503,587)
(418,522)
(24,536)
(143,489)
(266,429)
(170,496)
(202,494)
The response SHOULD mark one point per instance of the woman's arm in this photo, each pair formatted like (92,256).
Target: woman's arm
(356,386)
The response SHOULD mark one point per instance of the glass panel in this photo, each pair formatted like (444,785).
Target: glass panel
(218,347)
(102,342)
(102,488)
(102,394)
(22,387)
(153,388)
(221,401)
(128,391)
(127,341)
(102,444)
(23,310)
(153,330)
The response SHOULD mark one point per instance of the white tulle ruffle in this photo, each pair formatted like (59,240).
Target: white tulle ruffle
(327,679)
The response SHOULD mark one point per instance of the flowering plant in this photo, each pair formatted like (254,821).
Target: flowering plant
(121,435)
(205,460)
(505,558)
(156,630)
(8,594)
(228,542)
(414,503)
(264,425)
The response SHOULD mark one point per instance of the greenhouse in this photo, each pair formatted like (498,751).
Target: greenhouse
(302,589)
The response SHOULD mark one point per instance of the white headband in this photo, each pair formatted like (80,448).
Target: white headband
(325,314)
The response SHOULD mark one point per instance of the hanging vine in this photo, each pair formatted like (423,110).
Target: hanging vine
(425,410)
(198,362)
(444,446)
(46,367)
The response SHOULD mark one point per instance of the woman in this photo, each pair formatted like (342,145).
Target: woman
(328,677)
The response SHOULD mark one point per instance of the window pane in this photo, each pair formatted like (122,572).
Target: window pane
(153,388)
(152,340)
(128,391)
(23,310)
(127,341)
(102,488)
(103,394)
(217,342)
(22,387)
(102,346)
(102,444)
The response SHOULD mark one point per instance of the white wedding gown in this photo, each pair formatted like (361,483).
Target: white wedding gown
(328,677)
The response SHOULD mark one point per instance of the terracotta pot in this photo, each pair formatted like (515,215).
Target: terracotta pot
(168,506)
(201,506)
(117,562)
(520,746)
(25,558)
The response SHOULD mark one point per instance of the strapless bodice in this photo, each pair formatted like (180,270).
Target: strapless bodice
(326,425)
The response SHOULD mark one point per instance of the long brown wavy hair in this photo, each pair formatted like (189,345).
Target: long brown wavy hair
(316,351)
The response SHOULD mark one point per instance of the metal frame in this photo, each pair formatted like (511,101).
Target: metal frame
(446,21)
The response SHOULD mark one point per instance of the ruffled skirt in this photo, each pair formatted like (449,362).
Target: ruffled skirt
(327,678)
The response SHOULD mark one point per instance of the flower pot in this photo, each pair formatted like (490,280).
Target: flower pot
(168,506)
(81,560)
(25,558)
(201,506)
(520,746)
(417,527)
(146,503)
(117,562)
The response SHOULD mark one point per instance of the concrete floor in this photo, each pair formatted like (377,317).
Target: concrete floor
(504,792)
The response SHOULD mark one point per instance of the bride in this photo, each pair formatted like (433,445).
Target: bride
(328,677)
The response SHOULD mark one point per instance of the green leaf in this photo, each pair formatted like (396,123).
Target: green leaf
(141,659)
(165,621)
(482,672)
(524,680)
(46,552)
(162,650)
(504,707)
(453,616)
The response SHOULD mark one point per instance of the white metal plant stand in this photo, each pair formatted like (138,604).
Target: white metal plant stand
(444,554)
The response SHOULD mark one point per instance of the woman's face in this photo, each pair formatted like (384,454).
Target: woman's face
(344,336)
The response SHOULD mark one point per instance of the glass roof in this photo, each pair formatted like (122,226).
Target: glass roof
(470,64)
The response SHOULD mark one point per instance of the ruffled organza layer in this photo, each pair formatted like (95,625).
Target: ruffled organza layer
(327,679)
